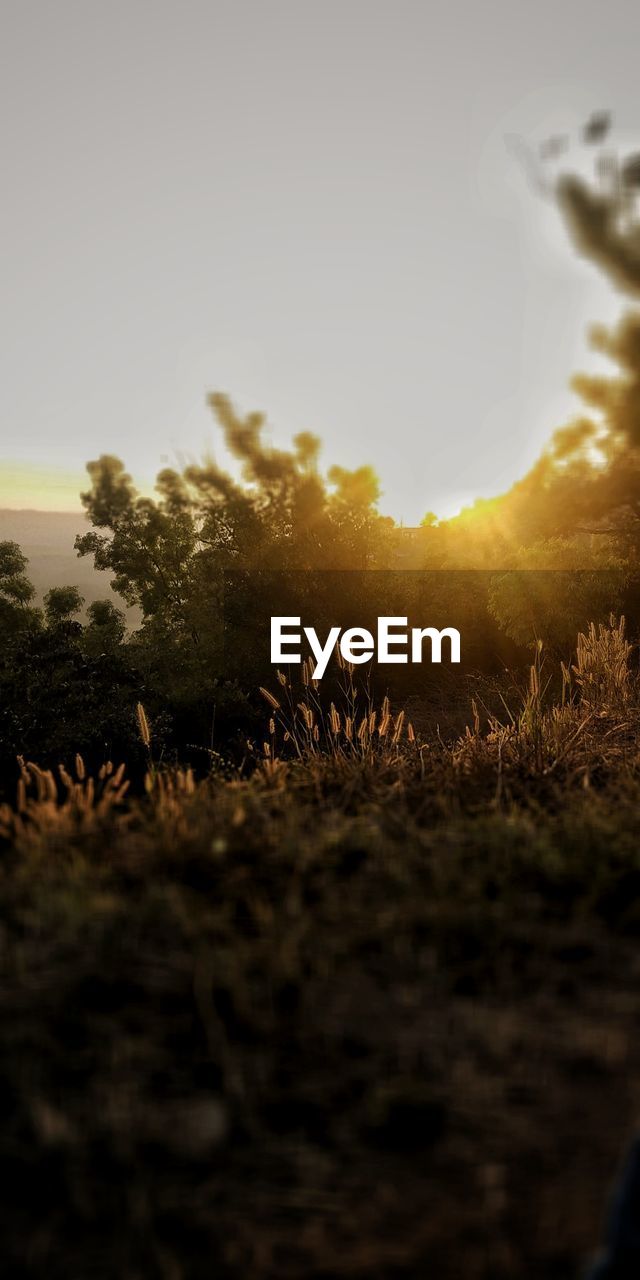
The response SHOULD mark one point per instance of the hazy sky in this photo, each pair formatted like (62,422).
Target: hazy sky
(306,205)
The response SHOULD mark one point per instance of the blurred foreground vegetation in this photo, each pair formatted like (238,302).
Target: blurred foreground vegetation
(369,1011)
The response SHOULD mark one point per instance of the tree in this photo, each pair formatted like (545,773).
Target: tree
(60,605)
(105,630)
(16,592)
(168,554)
(544,599)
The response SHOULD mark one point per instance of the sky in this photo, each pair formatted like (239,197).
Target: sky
(307,206)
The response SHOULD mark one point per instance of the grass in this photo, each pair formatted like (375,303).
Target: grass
(367,1010)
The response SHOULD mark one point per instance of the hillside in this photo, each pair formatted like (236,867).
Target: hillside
(47,540)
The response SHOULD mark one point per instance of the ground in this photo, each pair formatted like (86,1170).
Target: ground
(338,1019)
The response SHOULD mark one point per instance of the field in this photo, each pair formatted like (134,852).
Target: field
(367,1009)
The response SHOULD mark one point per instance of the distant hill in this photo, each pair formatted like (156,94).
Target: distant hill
(46,539)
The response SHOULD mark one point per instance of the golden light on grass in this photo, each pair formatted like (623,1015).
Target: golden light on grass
(143,725)
(268,697)
(539,738)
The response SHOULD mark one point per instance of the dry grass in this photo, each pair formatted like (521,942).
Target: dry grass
(537,748)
